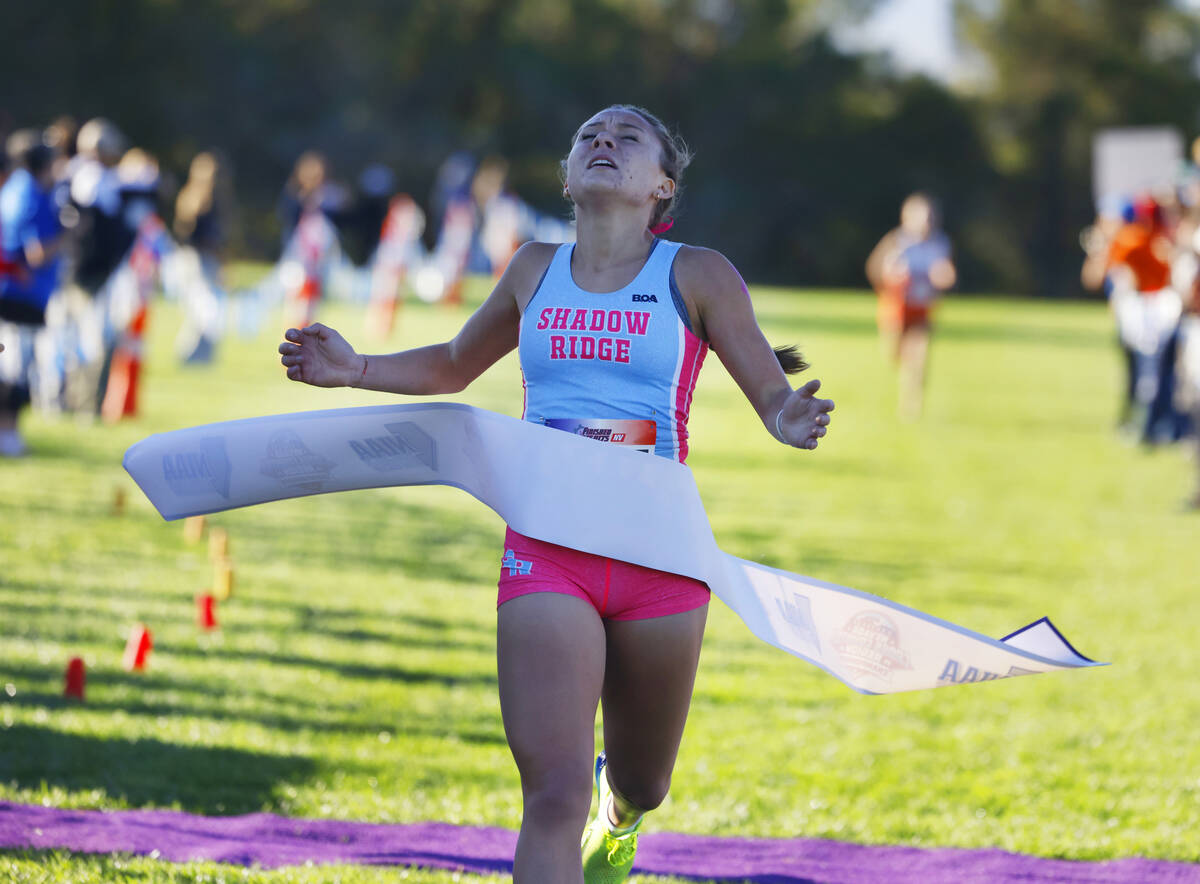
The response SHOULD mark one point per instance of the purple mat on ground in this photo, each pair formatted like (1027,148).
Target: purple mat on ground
(269,841)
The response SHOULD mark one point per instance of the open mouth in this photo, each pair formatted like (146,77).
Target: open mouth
(604,162)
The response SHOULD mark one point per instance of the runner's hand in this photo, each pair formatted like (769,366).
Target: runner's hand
(804,418)
(318,355)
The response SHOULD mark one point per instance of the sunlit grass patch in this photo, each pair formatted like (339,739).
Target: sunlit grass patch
(354,677)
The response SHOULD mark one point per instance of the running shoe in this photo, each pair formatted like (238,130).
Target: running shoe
(607,856)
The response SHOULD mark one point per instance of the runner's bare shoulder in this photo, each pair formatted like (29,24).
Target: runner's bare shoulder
(526,269)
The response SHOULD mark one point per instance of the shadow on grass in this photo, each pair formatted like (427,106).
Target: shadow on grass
(319,721)
(342,668)
(310,615)
(200,779)
(55,446)
(412,541)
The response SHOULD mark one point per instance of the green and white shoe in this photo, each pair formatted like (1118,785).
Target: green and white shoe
(607,855)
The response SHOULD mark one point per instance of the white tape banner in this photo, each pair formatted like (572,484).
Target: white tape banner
(594,497)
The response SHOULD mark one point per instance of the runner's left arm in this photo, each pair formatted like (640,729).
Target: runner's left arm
(715,290)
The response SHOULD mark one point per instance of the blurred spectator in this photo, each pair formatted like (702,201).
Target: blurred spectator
(203,207)
(7,267)
(140,182)
(1136,266)
(30,237)
(399,252)
(1096,241)
(362,223)
(60,137)
(202,212)
(101,235)
(500,215)
(309,189)
(909,269)
(1185,274)
(452,185)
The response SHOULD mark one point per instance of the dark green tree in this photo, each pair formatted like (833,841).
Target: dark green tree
(1057,71)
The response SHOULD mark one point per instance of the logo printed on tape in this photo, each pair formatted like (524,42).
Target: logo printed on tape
(406,445)
(797,613)
(869,645)
(291,464)
(951,673)
(638,434)
(196,472)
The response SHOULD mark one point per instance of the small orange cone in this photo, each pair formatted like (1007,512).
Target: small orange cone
(206,611)
(222,579)
(218,543)
(193,529)
(74,679)
(137,649)
(125,370)
(118,507)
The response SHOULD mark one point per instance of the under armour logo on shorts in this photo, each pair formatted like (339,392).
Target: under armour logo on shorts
(514,565)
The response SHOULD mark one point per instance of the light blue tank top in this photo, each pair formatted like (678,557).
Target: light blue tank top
(619,366)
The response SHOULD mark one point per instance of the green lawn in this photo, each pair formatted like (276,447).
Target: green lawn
(354,673)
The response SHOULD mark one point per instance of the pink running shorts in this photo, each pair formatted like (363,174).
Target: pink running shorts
(617,590)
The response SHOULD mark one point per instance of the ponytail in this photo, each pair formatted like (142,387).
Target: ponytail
(791,360)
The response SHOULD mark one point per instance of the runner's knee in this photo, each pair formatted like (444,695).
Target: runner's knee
(644,793)
(558,795)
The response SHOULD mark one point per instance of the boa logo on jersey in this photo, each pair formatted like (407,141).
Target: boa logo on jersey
(291,464)
(645,299)
(869,645)
(406,445)
(190,473)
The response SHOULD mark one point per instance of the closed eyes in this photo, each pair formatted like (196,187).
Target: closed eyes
(588,136)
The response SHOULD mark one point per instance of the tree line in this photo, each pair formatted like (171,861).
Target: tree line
(803,151)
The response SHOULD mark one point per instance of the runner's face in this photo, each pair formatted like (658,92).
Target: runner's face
(617,153)
(916,217)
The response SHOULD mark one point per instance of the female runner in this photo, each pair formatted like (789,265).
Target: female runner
(611,334)
(910,268)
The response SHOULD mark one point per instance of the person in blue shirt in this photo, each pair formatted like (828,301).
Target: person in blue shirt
(30,239)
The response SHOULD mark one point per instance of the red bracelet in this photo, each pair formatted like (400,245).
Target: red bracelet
(358,383)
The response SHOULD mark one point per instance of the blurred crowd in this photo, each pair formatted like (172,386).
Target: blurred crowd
(1143,251)
(85,242)
(73,205)
(373,244)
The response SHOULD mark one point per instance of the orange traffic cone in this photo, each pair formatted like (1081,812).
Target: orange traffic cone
(121,394)
(206,611)
(137,649)
(74,679)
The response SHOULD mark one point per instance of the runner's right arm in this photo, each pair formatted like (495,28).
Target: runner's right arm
(320,356)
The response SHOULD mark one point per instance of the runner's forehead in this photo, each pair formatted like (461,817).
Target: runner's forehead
(616,119)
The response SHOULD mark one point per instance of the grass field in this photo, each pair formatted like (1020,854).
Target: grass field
(353,676)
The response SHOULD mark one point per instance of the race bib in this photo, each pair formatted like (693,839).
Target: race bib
(638,435)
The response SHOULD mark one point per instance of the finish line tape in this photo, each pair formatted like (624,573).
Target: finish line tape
(601,499)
